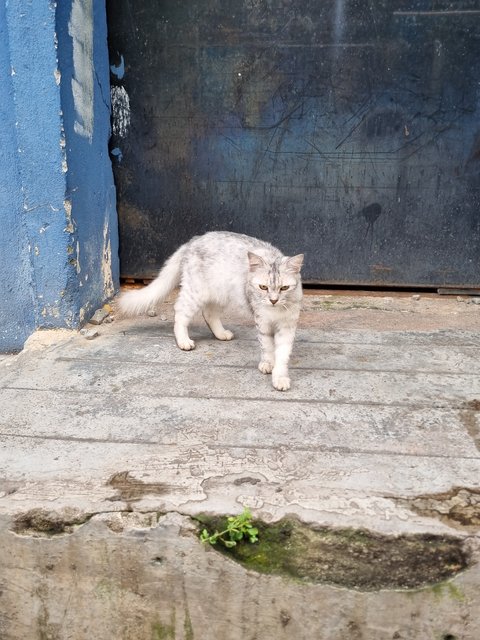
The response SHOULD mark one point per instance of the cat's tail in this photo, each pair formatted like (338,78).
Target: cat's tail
(132,303)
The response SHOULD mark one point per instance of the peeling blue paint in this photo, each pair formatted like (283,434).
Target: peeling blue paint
(89,178)
(57,197)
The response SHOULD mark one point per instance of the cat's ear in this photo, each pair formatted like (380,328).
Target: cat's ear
(255,262)
(294,264)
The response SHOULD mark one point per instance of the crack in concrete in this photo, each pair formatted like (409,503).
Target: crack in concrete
(351,558)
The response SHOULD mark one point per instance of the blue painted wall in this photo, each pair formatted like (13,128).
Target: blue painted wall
(90,186)
(16,300)
(58,240)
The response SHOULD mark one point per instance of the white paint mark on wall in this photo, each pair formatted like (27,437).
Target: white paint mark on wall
(78,258)
(70,228)
(120,111)
(108,286)
(80,28)
(52,311)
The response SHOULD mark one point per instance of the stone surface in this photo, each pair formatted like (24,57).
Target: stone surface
(99,316)
(112,449)
(89,334)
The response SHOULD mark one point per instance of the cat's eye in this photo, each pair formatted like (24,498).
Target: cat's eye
(263,287)
(284,288)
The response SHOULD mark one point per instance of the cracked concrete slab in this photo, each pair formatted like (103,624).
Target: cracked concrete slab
(111,449)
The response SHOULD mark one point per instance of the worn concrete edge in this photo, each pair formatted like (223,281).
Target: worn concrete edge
(53,339)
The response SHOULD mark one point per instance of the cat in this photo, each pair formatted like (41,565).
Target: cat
(220,270)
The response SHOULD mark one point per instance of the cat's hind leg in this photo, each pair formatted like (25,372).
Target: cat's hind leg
(211,315)
(186,307)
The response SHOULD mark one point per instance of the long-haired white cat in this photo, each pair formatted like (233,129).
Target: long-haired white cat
(222,270)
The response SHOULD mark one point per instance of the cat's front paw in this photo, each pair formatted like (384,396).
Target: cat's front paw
(265,367)
(281,383)
(226,335)
(186,344)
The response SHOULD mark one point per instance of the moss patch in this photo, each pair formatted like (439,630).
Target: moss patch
(161,631)
(348,557)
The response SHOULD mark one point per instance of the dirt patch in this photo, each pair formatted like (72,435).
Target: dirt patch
(131,489)
(349,558)
(468,416)
(388,312)
(7,488)
(246,480)
(43,523)
(459,507)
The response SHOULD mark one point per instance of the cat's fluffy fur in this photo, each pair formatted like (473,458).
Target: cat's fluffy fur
(222,270)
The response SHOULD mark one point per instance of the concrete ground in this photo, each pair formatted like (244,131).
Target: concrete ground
(111,449)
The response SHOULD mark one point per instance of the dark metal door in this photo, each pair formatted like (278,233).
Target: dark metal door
(347,129)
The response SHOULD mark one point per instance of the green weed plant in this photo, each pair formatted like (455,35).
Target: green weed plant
(237,528)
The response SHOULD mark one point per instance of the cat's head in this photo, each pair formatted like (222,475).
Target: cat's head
(275,282)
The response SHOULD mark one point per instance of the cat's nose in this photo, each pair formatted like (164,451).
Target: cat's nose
(274,300)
